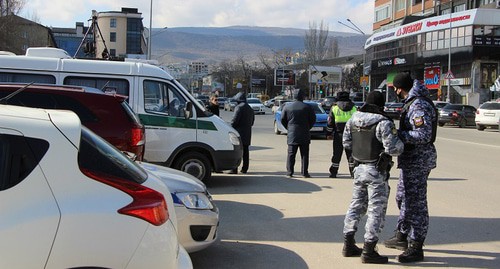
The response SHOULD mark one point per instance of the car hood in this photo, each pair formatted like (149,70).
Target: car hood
(176,181)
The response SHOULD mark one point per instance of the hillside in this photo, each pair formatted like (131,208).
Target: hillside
(212,44)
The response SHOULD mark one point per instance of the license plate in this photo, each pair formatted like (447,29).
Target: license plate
(314,129)
(489,114)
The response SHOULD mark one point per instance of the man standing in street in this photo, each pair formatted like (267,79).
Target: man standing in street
(298,118)
(373,139)
(340,113)
(242,121)
(213,104)
(417,130)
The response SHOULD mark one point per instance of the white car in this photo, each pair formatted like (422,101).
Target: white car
(71,200)
(488,115)
(257,106)
(197,215)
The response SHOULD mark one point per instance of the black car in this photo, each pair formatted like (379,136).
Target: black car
(457,114)
(393,110)
(328,102)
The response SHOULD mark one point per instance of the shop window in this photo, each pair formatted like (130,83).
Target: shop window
(489,73)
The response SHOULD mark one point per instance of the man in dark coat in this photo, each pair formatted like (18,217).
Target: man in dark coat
(298,118)
(242,121)
(213,105)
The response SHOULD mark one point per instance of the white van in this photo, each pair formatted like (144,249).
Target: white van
(180,133)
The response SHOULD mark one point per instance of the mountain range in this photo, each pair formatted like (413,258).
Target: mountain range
(215,44)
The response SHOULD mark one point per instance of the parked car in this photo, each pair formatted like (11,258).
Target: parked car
(319,127)
(108,115)
(204,98)
(256,105)
(221,100)
(440,104)
(488,115)
(327,102)
(107,111)
(197,215)
(230,104)
(277,104)
(393,110)
(71,200)
(269,103)
(457,114)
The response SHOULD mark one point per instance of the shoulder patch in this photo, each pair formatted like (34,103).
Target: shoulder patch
(418,121)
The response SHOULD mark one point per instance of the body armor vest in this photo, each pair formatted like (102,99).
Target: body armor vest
(365,146)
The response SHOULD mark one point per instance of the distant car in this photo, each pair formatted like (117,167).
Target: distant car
(327,102)
(440,104)
(269,103)
(457,114)
(230,104)
(356,96)
(71,200)
(488,115)
(221,100)
(393,110)
(204,98)
(359,104)
(257,106)
(319,127)
(277,104)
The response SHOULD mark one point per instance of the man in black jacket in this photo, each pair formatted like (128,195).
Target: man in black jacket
(298,118)
(242,121)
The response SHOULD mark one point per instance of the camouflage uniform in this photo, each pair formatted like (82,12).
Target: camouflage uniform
(371,189)
(416,162)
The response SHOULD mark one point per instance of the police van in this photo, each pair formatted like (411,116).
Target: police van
(180,133)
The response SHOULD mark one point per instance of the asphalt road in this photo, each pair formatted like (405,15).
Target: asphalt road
(270,221)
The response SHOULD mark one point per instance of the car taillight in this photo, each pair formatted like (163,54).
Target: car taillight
(137,137)
(147,204)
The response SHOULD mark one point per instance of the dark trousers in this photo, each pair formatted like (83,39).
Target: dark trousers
(246,157)
(304,155)
(338,150)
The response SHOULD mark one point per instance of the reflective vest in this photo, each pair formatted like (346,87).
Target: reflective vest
(342,116)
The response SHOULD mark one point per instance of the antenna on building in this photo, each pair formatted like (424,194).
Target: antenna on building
(90,45)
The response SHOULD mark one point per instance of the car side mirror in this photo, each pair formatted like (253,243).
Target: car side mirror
(188,110)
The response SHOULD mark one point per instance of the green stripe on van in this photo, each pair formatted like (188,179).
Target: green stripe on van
(164,121)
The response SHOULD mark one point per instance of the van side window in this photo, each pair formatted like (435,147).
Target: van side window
(18,157)
(164,98)
(27,78)
(119,86)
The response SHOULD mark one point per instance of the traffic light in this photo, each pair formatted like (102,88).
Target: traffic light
(321,91)
(367,88)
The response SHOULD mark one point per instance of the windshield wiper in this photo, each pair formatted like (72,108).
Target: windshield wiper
(5,100)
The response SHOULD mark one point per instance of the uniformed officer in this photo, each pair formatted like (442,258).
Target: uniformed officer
(340,113)
(373,139)
(417,130)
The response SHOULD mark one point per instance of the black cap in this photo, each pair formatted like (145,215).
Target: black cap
(376,98)
(403,80)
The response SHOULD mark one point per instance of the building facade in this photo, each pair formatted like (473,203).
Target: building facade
(453,46)
(70,39)
(17,34)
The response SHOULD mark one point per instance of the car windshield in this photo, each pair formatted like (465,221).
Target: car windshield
(453,107)
(317,109)
(253,101)
(490,106)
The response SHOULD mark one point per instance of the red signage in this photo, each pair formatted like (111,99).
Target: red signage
(432,77)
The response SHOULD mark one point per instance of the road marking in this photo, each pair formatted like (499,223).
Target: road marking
(472,143)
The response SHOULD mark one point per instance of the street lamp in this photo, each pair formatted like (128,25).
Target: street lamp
(449,58)
(357,29)
(150,29)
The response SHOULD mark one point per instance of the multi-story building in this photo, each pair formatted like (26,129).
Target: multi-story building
(70,39)
(121,32)
(450,44)
(18,34)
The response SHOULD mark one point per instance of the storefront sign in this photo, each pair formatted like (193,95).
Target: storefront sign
(432,77)
(387,62)
(486,40)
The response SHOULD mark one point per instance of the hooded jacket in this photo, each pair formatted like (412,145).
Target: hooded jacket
(243,118)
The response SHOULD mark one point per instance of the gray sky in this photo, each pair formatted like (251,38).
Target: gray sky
(212,13)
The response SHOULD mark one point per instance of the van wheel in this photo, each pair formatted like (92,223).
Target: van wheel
(480,127)
(195,164)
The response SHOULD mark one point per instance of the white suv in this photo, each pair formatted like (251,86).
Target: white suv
(69,199)
(488,115)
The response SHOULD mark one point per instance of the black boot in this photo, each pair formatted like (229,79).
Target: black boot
(350,249)
(370,255)
(333,171)
(398,241)
(414,253)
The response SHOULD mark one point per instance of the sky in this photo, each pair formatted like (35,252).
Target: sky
(212,13)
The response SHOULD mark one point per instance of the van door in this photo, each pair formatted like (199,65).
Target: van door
(163,116)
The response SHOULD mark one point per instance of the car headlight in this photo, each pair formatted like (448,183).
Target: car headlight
(192,200)
(234,138)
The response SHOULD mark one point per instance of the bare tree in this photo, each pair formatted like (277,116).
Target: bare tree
(10,7)
(333,50)
(315,42)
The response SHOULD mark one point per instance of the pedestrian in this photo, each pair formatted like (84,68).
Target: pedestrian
(373,139)
(417,130)
(298,118)
(339,114)
(242,121)
(213,105)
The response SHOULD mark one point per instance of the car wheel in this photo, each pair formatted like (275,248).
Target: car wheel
(441,124)
(195,164)
(276,130)
(480,127)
